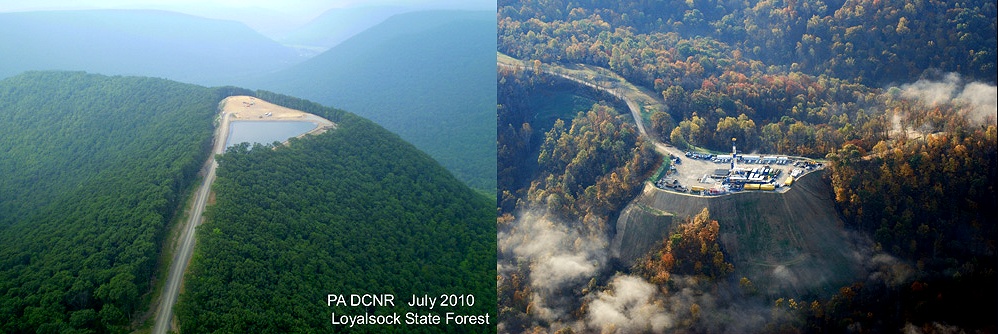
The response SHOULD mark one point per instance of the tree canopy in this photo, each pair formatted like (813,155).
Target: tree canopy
(892,93)
(795,77)
(94,168)
(351,211)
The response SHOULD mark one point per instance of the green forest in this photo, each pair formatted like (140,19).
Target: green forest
(97,169)
(354,210)
(423,75)
(887,92)
(94,168)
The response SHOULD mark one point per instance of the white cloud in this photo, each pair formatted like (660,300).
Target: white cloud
(980,100)
(631,305)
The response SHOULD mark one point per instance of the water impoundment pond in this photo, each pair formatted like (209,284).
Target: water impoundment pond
(265,132)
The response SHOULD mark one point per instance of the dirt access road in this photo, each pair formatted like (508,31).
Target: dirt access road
(234,108)
(641,103)
(638,101)
(785,241)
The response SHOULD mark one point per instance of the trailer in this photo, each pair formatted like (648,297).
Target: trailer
(751,186)
(750,159)
(788,181)
(767,186)
(769,159)
(722,158)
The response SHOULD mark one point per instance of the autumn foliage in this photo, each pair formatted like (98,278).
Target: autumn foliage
(926,199)
(592,167)
(692,249)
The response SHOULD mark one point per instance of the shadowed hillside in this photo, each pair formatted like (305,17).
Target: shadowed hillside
(427,76)
(337,25)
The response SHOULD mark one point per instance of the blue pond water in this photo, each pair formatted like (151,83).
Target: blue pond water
(265,132)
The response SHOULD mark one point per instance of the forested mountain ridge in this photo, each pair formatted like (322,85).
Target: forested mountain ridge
(337,25)
(880,42)
(352,210)
(420,74)
(424,75)
(93,170)
(138,42)
(96,167)
(903,111)
(718,82)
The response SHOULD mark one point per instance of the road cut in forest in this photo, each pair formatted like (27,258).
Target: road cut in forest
(233,108)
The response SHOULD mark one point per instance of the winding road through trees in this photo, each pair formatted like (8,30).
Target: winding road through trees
(603,80)
(640,101)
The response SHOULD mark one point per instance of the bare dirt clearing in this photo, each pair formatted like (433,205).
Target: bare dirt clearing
(792,241)
(241,108)
(248,108)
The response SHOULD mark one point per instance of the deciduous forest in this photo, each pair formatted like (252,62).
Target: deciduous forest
(443,62)
(94,168)
(354,210)
(573,177)
(897,97)
(784,75)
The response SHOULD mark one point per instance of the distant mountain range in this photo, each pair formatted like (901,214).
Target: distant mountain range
(96,169)
(337,25)
(428,76)
(138,42)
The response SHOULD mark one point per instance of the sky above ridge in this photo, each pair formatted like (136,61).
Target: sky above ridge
(270,17)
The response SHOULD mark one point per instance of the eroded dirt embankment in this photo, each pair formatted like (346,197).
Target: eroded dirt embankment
(791,241)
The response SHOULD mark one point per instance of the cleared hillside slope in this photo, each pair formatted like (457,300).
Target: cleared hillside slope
(794,240)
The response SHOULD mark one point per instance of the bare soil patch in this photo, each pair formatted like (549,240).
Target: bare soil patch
(248,108)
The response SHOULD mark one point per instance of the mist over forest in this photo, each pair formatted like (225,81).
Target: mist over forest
(896,99)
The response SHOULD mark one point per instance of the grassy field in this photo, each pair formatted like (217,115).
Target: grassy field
(557,103)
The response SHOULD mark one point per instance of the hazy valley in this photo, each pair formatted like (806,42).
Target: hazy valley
(100,173)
